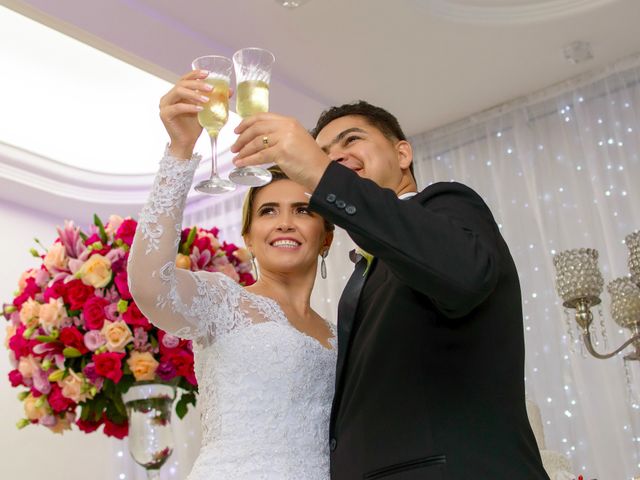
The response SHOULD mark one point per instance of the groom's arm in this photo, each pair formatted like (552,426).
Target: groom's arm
(443,244)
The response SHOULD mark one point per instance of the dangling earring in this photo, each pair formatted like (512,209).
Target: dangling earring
(253,264)
(323,264)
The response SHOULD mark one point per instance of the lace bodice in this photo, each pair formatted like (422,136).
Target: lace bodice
(265,387)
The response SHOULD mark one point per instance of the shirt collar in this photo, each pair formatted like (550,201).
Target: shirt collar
(407,195)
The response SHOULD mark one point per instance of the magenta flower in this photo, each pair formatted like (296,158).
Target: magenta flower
(166,371)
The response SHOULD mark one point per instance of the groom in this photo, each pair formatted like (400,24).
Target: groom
(430,374)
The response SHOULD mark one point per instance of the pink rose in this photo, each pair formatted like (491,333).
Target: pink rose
(57,401)
(93,313)
(77,293)
(229,248)
(134,317)
(117,430)
(56,290)
(30,290)
(19,345)
(121,284)
(170,341)
(109,365)
(15,377)
(183,363)
(71,337)
(22,281)
(168,346)
(126,231)
(87,426)
(247,279)
(93,340)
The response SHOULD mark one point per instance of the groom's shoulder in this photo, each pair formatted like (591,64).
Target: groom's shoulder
(454,189)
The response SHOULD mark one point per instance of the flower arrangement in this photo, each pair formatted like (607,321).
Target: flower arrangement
(77,339)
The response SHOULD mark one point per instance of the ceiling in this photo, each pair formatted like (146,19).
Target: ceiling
(430,62)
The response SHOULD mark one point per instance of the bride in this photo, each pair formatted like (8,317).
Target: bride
(265,361)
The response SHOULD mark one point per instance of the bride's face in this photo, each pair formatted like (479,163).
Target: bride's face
(284,235)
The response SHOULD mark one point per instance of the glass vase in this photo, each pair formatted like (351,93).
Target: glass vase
(150,437)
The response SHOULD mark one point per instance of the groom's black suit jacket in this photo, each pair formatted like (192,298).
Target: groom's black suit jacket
(430,374)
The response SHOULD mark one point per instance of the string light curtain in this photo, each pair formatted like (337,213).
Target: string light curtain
(560,170)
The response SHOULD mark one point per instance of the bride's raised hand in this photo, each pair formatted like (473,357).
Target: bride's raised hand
(179,112)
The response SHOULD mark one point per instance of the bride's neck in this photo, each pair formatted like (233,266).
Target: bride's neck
(289,290)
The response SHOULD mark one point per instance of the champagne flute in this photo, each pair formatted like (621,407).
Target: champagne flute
(214,116)
(253,74)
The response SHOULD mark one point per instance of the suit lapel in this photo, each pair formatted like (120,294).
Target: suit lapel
(347,308)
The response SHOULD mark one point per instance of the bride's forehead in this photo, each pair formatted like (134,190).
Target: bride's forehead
(281,192)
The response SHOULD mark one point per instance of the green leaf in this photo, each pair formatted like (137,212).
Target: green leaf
(45,338)
(182,406)
(70,352)
(125,382)
(98,223)
(186,246)
(83,236)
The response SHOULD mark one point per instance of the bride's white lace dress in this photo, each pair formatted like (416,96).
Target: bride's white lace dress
(265,387)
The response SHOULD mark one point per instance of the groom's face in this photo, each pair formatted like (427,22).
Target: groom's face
(357,145)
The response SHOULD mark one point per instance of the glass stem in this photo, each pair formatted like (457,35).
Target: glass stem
(153,474)
(214,156)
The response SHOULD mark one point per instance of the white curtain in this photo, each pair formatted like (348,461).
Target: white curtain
(560,170)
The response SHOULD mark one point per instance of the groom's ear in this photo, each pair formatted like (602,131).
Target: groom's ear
(405,154)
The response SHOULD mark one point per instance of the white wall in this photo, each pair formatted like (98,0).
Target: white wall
(35,452)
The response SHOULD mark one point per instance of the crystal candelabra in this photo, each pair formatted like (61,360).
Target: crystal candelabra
(579,283)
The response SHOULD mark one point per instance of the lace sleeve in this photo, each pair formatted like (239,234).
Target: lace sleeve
(175,300)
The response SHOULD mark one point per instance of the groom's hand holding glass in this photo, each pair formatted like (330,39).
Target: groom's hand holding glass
(272,138)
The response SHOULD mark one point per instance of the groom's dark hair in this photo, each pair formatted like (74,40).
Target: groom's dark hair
(375,116)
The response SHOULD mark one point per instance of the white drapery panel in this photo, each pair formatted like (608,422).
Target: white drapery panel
(560,170)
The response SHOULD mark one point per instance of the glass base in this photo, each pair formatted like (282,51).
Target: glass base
(215,186)
(250,176)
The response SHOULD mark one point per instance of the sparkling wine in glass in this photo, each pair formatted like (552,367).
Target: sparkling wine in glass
(253,74)
(215,115)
